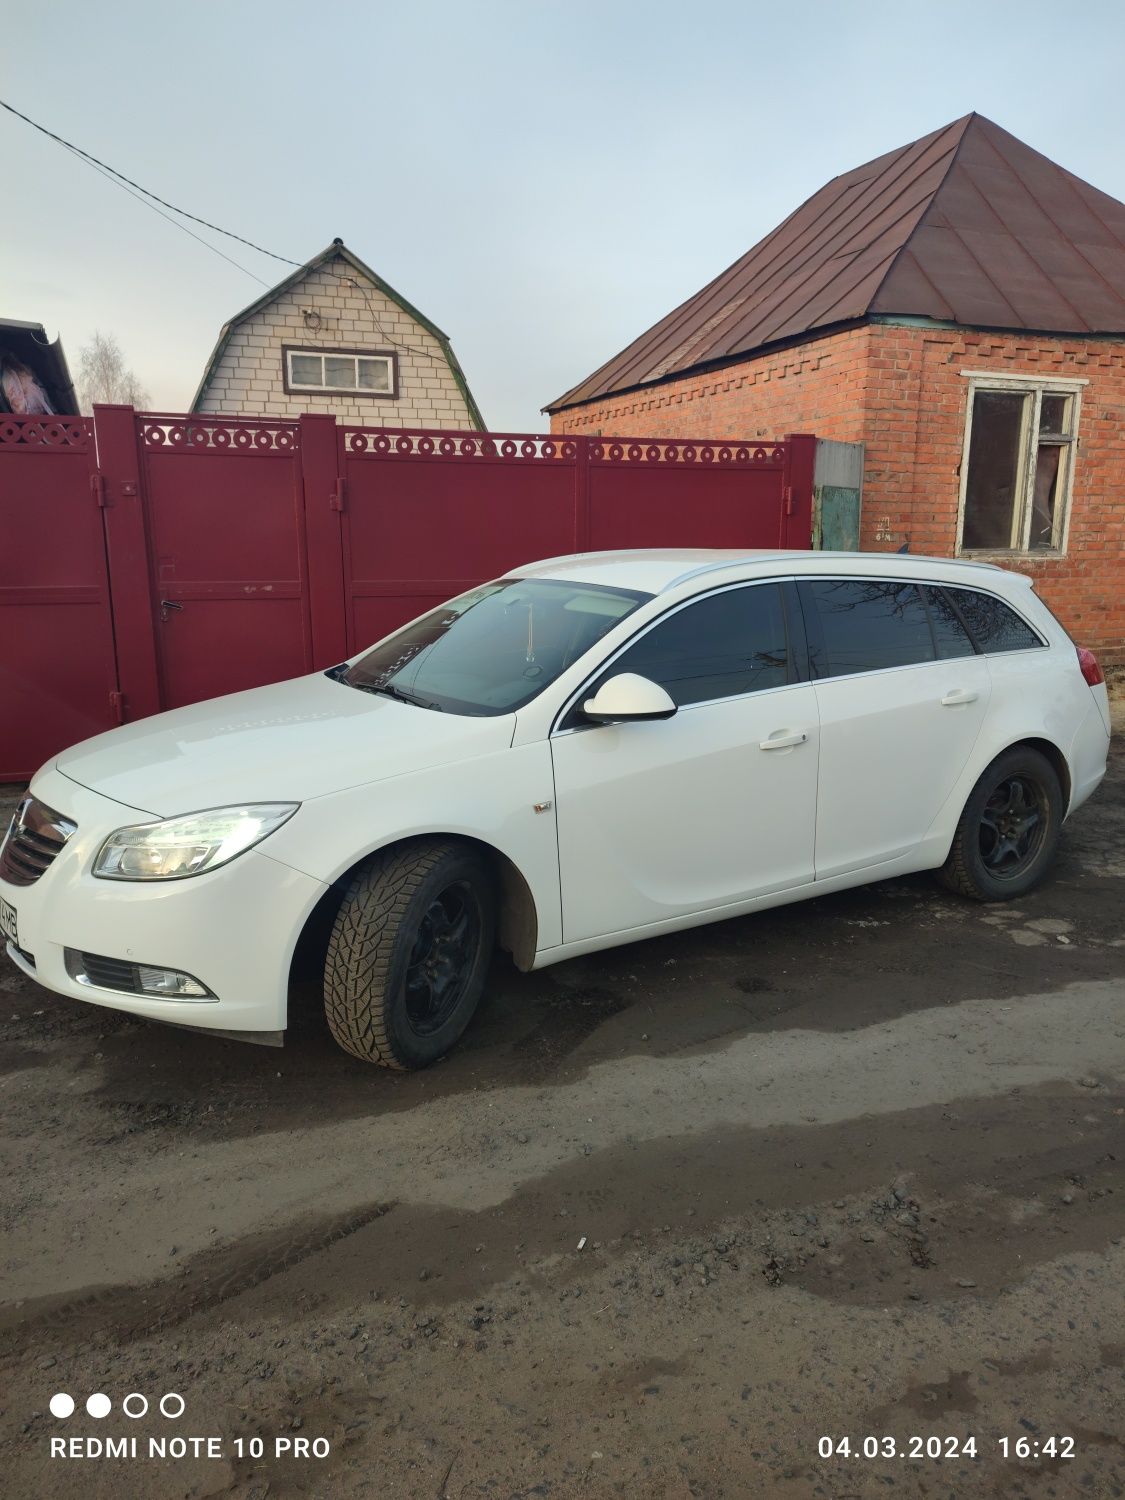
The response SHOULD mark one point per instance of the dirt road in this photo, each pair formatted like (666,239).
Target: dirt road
(672,1216)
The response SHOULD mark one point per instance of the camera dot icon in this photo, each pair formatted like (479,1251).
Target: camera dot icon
(62,1405)
(98,1405)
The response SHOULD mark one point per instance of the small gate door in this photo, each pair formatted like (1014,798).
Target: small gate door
(225,519)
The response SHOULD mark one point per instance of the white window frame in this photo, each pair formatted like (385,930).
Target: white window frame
(1037,386)
(355,355)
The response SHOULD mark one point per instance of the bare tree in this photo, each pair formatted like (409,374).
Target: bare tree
(104,376)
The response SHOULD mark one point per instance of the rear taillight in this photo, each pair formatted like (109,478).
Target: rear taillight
(1089,666)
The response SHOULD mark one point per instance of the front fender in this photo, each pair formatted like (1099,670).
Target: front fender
(491,799)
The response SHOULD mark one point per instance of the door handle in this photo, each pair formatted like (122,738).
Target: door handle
(958,696)
(782,741)
(166,605)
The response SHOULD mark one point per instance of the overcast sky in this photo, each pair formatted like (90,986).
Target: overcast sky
(543,180)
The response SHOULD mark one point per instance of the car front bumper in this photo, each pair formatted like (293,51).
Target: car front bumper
(233,929)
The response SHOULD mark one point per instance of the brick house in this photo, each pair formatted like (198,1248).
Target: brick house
(956,306)
(334,337)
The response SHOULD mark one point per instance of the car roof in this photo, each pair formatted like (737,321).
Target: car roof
(659,570)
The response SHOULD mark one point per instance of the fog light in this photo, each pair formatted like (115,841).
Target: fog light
(101,973)
(170,984)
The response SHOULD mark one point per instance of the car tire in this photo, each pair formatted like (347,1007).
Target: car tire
(409,951)
(1008,834)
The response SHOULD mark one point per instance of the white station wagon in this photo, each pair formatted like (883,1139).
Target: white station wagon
(592,750)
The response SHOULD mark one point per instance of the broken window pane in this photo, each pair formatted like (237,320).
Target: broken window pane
(1054,415)
(992,484)
(1048,480)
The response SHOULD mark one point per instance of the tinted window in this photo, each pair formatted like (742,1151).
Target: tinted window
(731,643)
(867,626)
(993,625)
(949,633)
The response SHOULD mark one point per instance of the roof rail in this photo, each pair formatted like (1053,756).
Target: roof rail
(765,555)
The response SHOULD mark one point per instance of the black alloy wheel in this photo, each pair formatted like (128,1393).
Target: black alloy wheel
(409,951)
(441,961)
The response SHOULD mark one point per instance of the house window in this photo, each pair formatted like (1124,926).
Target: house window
(1018,463)
(335,371)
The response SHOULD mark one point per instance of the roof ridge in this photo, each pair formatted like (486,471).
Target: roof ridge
(966,122)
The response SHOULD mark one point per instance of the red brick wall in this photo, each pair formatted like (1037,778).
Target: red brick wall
(817,388)
(900,391)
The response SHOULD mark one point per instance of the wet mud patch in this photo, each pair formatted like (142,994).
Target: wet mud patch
(931,1207)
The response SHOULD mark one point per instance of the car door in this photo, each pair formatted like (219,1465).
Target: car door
(901,694)
(661,819)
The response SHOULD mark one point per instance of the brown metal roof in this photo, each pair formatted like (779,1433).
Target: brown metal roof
(967,225)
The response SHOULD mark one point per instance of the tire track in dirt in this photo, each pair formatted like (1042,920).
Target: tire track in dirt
(213,1278)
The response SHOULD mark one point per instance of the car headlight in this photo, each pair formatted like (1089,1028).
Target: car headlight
(180,847)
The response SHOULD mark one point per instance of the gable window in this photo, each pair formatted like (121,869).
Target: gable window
(334,371)
(1017,467)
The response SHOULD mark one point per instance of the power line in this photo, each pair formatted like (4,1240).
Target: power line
(237,264)
(128,182)
(383,334)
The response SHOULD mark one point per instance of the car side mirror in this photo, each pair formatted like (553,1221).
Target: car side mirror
(626,697)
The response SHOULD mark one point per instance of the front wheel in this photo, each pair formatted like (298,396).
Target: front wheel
(1009,831)
(409,951)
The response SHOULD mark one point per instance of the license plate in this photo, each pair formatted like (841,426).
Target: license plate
(8,923)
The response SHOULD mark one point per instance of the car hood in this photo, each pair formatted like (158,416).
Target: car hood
(284,743)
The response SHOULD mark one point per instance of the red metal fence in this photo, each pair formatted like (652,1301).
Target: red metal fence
(147,561)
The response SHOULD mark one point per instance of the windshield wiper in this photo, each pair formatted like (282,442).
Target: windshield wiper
(339,673)
(391,690)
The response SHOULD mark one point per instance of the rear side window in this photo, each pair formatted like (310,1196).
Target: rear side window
(726,645)
(992,624)
(950,635)
(865,626)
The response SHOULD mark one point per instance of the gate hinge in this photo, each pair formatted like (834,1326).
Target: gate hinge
(336,499)
(790,508)
(97,484)
(117,703)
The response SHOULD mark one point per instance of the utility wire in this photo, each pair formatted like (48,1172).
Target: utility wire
(128,182)
(438,359)
(237,264)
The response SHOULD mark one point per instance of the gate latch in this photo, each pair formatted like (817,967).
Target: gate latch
(166,605)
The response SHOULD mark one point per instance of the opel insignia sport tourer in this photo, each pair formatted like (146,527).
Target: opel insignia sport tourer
(592,750)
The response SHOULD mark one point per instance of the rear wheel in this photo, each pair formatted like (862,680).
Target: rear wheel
(409,951)
(1009,831)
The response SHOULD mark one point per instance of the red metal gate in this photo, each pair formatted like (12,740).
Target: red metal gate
(58,676)
(216,553)
(470,506)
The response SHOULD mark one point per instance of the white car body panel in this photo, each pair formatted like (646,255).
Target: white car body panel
(287,742)
(680,816)
(643,847)
(890,754)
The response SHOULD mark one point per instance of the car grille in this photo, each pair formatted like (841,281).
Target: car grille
(111,973)
(34,838)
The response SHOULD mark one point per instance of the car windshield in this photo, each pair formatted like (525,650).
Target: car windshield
(493,649)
